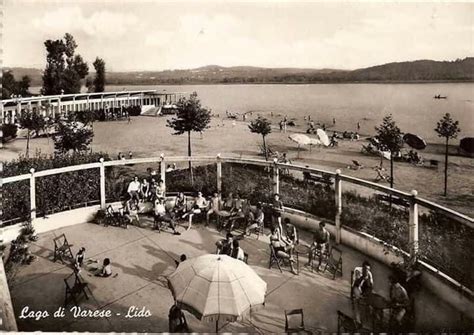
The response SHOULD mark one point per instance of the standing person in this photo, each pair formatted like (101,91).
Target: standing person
(320,244)
(79,260)
(237,251)
(358,126)
(224,247)
(333,121)
(277,209)
(281,126)
(144,190)
(177,321)
(285,123)
(161,189)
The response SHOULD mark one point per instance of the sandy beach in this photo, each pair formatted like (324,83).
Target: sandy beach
(148,136)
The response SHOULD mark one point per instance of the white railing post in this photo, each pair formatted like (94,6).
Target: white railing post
(163,168)
(276,177)
(219,173)
(413,228)
(102,183)
(32,195)
(338,199)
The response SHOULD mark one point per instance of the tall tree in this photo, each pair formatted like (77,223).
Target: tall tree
(390,139)
(263,127)
(447,128)
(64,69)
(32,122)
(99,80)
(190,116)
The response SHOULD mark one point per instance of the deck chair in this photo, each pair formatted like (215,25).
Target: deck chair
(274,259)
(75,288)
(294,321)
(62,249)
(334,262)
(356,165)
(347,324)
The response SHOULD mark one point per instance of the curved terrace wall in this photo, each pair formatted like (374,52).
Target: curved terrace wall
(441,284)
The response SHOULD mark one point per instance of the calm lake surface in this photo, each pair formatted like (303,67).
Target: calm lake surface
(412,105)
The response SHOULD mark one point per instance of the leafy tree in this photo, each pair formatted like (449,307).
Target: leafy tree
(72,135)
(32,122)
(99,80)
(190,116)
(11,86)
(64,70)
(389,139)
(263,127)
(447,128)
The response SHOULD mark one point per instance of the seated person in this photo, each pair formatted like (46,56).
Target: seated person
(291,233)
(180,204)
(177,321)
(363,281)
(320,244)
(214,206)
(152,189)
(280,248)
(162,216)
(236,212)
(399,300)
(226,206)
(224,247)
(79,259)
(237,251)
(131,212)
(200,204)
(144,190)
(104,271)
(169,168)
(134,189)
(256,219)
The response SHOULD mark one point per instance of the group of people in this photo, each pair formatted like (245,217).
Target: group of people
(362,286)
(104,270)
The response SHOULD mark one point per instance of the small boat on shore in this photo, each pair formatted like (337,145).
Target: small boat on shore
(440,97)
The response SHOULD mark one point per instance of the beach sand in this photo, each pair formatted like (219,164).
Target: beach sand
(149,136)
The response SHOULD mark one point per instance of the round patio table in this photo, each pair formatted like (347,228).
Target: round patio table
(301,249)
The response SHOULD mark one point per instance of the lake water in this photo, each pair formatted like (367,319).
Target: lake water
(412,105)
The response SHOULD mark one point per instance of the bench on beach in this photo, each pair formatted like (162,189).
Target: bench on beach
(311,177)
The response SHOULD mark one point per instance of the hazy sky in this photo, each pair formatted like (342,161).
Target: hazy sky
(156,35)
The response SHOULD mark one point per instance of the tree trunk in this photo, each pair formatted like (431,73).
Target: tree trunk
(265,148)
(391,169)
(446,168)
(189,155)
(27,144)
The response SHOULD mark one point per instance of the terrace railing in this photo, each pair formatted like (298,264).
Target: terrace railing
(411,199)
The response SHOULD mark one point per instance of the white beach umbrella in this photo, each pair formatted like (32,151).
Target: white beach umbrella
(217,287)
(323,137)
(300,139)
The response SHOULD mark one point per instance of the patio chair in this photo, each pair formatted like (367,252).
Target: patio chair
(62,249)
(334,262)
(274,259)
(75,288)
(259,229)
(347,324)
(294,321)
(318,253)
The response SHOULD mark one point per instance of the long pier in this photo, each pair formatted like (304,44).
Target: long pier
(52,105)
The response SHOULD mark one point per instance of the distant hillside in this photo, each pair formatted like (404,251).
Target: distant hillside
(416,71)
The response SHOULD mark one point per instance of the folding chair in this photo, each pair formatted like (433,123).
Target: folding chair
(274,259)
(75,288)
(292,315)
(347,324)
(318,253)
(334,262)
(62,248)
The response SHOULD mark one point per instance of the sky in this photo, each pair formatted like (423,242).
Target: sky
(158,35)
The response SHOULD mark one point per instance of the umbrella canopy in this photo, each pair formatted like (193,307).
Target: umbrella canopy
(414,141)
(323,137)
(300,139)
(217,287)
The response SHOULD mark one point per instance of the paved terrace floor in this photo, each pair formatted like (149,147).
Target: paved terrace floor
(142,258)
